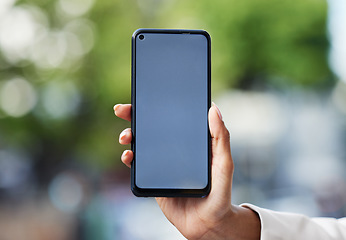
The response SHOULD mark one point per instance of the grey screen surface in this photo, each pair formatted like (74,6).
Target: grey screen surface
(171,108)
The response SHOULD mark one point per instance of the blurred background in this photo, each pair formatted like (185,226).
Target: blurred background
(278,76)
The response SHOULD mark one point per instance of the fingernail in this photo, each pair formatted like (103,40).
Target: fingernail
(218,111)
(115,108)
(122,135)
(125,153)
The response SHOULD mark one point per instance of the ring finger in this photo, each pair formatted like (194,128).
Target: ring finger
(125,136)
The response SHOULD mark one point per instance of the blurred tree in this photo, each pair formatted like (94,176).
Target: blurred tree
(79,55)
(269,42)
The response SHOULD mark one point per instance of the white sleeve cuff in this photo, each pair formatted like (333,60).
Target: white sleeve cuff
(288,226)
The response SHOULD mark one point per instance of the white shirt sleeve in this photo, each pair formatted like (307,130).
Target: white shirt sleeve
(290,226)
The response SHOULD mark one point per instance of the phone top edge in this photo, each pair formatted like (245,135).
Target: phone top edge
(173,31)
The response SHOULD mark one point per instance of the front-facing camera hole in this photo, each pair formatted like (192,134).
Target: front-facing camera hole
(141,37)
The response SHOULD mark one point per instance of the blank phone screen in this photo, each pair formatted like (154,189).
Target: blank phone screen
(171,111)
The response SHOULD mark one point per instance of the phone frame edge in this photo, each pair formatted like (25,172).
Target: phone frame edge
(149,192)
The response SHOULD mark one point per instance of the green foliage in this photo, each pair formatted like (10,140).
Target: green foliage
(269,40)
(260,43)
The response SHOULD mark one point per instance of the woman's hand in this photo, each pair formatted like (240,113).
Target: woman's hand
(212,217)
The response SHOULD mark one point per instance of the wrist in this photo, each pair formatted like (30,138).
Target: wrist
(240,223)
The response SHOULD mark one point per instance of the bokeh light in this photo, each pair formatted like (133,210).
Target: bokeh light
(60,99)
(278,76)
(17,97)
(337,32)
(18,28)
(75,7)
(66,192)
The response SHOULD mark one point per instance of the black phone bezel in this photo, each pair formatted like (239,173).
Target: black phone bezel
(153,192)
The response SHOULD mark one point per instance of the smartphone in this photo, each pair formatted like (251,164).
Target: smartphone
(170,102)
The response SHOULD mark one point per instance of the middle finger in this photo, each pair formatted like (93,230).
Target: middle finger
(125,136)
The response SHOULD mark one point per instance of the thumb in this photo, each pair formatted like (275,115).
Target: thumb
(219,133)
(222,164)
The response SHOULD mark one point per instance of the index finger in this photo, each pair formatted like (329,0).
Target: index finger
(123,111)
